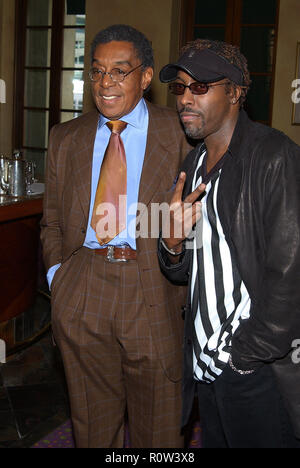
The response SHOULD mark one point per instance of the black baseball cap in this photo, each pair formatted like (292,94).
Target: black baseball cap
(204,65)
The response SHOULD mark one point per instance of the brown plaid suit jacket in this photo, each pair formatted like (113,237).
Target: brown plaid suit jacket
(66,210)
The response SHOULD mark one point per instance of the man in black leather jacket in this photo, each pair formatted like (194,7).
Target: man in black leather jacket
(242,320)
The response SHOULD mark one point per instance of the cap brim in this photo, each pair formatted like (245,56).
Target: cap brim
(169,73)
(204,66)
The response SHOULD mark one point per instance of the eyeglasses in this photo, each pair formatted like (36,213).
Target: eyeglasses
(195,88)
(115,74)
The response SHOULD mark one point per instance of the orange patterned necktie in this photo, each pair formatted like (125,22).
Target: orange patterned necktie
(110,219)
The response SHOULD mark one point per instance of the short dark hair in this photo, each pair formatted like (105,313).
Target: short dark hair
(123,32)
(229,52)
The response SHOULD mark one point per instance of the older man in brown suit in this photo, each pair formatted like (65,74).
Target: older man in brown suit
(116,319)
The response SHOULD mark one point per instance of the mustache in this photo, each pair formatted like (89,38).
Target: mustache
(187,109)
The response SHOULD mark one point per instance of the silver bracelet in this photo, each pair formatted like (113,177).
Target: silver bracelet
(239,371)
(170,251)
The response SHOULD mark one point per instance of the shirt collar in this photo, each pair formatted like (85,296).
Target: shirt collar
(137,117)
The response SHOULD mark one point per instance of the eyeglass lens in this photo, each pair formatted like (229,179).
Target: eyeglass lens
(115,74)
(195,88)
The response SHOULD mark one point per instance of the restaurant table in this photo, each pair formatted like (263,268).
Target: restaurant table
(20,258)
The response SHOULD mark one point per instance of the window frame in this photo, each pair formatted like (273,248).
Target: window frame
(55,69)
(233,29)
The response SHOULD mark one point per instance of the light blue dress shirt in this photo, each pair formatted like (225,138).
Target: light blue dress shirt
(134,138)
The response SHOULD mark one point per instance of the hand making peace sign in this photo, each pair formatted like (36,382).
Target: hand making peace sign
(183,214)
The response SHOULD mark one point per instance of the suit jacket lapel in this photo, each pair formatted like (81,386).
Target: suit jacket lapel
(81,157)
(156,156)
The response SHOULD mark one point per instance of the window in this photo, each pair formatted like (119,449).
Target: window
(49,71)
(250,24)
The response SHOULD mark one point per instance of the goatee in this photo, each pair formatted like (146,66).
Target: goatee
(191,129)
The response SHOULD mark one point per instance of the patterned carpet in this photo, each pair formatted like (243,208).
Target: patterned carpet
(62,437)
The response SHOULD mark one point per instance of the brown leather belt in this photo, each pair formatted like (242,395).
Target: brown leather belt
(117,254)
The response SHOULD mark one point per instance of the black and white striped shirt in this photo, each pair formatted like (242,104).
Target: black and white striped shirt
(219,298)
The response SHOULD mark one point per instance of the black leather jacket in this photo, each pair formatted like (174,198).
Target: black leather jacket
(259,208)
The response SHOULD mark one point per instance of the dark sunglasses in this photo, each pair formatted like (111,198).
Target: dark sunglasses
(195,88)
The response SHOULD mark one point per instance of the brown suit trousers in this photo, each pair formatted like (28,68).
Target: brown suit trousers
(110,358)
(118,326)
